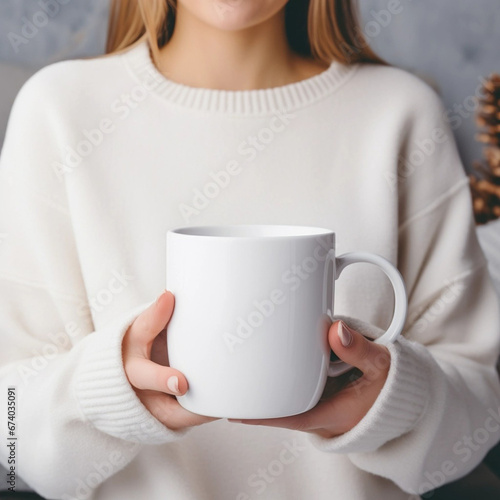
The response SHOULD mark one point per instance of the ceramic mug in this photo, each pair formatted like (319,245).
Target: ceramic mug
(252,309)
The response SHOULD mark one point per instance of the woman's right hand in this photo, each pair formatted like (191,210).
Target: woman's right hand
(154,384)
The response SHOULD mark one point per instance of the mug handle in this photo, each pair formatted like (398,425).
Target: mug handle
(400,299)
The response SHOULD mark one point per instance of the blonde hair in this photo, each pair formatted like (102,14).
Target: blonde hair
(325,30)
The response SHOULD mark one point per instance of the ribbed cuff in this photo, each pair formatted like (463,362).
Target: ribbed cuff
(398,408)
(105,396)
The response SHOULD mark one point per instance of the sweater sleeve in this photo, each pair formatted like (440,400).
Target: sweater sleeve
(438,413)
(77,419)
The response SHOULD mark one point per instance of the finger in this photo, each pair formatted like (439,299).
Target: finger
(353,348)
(296,422)
(317,419)
(144,374)
(170,413)
(152,321)
(159,352)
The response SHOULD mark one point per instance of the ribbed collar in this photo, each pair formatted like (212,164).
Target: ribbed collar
(237,102)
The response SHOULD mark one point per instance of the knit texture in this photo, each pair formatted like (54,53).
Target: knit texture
(103,156)
(107,399)
(399,406)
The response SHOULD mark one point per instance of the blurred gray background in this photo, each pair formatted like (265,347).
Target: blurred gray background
(449,43)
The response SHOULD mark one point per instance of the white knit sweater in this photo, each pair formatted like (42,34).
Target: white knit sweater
(103,156)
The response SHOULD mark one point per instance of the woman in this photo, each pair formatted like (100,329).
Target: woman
(103,156)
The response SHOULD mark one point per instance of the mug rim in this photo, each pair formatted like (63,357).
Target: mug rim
(237,231)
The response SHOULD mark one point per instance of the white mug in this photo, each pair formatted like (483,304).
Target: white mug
(252,309)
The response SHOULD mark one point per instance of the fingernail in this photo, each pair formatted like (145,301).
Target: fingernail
(173,384)
(160,296)
(344,334)
(234,420)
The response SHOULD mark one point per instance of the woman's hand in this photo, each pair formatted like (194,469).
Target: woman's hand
(340,412)
(143,344)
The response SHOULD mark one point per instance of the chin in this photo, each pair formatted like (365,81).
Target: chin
(233,15)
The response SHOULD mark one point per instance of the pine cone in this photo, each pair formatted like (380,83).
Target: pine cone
(485,179)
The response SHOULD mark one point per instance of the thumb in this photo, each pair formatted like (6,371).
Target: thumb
(353,348)
(146,327)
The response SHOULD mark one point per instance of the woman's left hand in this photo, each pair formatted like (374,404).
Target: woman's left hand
(340,412)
